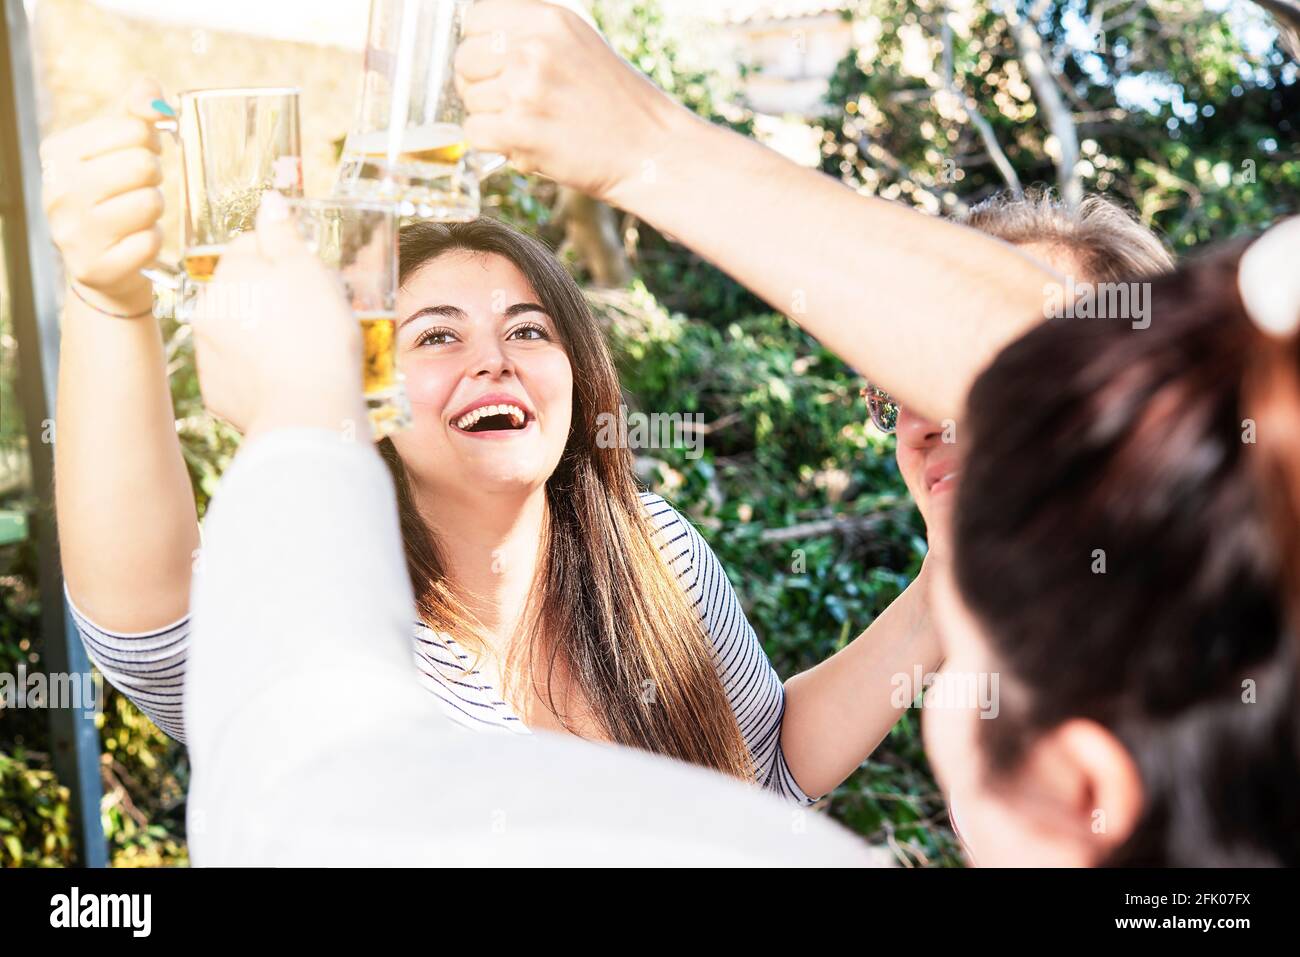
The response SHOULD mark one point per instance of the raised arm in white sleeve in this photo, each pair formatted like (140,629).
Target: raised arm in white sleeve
(311,744)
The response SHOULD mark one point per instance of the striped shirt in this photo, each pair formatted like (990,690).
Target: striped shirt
(149,667)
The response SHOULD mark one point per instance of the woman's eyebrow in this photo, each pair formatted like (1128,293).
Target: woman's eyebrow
(453,312)
(447,312)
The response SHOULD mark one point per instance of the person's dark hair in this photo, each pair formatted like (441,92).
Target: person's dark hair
(605,605)
(1126,535)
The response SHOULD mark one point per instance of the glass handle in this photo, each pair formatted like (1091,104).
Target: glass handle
(168,281)
(165,275)
(488,163)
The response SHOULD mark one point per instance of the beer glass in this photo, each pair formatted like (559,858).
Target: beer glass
(235,145)
(358,239)
(408,144)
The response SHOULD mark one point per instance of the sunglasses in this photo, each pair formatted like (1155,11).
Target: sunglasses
(882,408)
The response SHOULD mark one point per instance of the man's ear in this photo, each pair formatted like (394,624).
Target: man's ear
(1087,791)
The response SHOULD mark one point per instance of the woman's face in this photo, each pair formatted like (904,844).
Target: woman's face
(490,385)
(992,827)
(1074,794)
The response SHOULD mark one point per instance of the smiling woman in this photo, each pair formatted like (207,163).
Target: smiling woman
(526,540)
(550,593)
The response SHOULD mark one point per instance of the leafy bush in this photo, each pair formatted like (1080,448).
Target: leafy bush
(789,448)
(34,826)
(34,829)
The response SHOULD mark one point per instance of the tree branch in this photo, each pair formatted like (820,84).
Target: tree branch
(1049,100)
(972,111)
(848,525)
(896,166)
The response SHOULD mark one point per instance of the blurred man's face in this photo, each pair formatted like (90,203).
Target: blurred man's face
(928,452)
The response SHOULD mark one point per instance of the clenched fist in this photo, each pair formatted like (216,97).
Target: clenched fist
(103,201)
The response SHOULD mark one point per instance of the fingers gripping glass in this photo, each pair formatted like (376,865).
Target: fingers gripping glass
(882,408)
(408,144)
(235,145)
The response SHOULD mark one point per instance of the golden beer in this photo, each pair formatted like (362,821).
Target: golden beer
(357,240)
(381,383)
(200,262)
(435,143)
(427,171)
(379,353)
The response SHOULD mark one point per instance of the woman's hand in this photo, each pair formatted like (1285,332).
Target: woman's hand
(543,88)
(276,341)
(103,203)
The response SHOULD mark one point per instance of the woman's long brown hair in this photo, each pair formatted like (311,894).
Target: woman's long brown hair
(605,605)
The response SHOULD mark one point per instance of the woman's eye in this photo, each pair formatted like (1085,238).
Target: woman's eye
(436,337)
(528,332)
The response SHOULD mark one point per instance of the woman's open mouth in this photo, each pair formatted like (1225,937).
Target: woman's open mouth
(493,418)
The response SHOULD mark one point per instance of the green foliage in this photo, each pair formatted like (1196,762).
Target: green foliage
(791,448)
(145,775)
(1176,109)
(893,800)
(34,829)
(656,45)
(207,444)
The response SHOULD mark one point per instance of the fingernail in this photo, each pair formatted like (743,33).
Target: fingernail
(161,106)
(274,209)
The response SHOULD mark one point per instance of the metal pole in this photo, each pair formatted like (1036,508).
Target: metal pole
(34,299)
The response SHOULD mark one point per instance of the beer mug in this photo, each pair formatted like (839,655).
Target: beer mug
(235,145)
(358,239)
(408,144)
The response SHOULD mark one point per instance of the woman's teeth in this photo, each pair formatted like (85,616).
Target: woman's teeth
(470,419)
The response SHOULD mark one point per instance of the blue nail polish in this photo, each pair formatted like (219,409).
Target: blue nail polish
(162,107)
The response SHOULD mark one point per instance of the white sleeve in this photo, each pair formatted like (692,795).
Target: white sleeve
(312,744)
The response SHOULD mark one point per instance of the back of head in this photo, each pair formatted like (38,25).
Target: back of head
(1105,240)
(1123,539)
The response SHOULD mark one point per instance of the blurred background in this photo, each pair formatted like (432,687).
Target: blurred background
(1184,110)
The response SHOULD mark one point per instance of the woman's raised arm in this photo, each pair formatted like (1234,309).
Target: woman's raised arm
(127,523)
(918,304)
